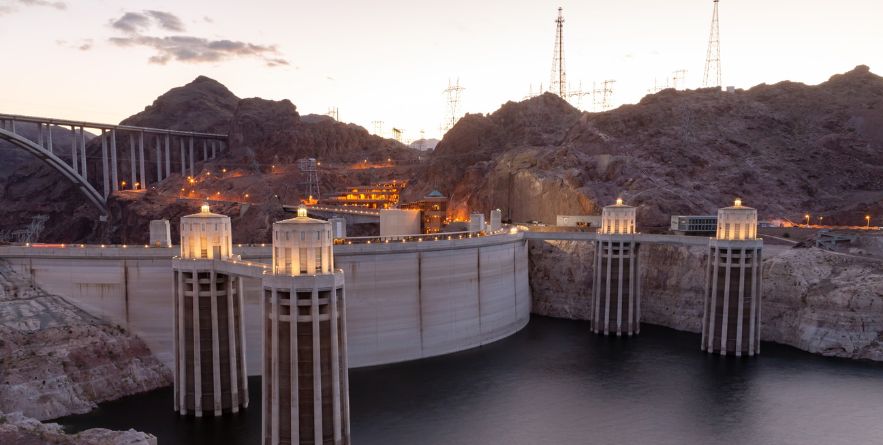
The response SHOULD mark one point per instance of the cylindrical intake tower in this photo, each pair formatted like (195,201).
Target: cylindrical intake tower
(731,320)
(305,384)
(210,374)
(616,293)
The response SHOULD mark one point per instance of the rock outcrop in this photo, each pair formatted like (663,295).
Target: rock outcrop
(786,149)
(818,301)
(18,429)
(56,359)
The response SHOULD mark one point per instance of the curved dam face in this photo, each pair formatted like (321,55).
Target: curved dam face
(405,301)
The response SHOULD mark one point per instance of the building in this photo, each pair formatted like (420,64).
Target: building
(578,221)
(616,293)
(305,385)
(381,195)
(693,225)
(160,233)
(434,208)
(209,335)
(476,222)
(496,220)
(731,316)
(395,223)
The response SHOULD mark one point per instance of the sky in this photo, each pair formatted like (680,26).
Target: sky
(390,61)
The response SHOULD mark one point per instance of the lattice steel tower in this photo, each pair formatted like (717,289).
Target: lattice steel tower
(453,92)
(713,57)
(558,82)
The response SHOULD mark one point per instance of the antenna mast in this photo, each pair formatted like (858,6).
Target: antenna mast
(558,83)
(713,57)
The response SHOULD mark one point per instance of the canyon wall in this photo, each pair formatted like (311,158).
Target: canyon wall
(56,359)
(822,302)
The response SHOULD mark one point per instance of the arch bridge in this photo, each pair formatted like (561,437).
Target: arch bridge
(97,176)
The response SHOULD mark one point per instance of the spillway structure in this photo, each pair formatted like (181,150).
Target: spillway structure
(305,384)
(209,330)
(733,288)
(616,293)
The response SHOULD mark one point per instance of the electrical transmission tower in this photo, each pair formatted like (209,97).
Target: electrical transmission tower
(575,97)
(453,92)
(378,127)
(558,82)
(601,97)
(677,79)
(713,57)
(332,111)
(310,184)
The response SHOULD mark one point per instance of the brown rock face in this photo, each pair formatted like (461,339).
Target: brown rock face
(21,430)
(272,132)
(56,359)
(786,149)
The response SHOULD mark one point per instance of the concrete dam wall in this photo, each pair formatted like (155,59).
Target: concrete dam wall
(405,301)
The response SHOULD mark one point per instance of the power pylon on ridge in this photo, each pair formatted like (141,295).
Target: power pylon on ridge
(713,57)
(558,82)
(332,111)
(677,79)
(453,92)
(575,97)
(605,93)
(378,127)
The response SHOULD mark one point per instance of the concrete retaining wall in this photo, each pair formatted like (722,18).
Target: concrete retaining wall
(404,300)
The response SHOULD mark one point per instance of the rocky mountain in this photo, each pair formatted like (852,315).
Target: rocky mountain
(262,133)
(786,149)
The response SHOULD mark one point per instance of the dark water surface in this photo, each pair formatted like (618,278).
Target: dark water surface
(555,383)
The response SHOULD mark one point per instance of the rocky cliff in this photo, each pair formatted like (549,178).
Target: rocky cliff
(21,430)
(56,359)
(786,149)
(823,302)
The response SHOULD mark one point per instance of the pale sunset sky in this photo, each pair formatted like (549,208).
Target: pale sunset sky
(103,60)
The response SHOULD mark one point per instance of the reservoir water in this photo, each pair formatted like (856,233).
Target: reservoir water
(556,383)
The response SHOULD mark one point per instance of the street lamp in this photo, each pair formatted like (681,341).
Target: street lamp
(868,219)
(820,219)
(807,218)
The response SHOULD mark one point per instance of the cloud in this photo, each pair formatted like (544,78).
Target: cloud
(83,45)
(139,29)
(57,5)
(10,8)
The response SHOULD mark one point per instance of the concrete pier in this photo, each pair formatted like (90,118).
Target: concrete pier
(733,291)
(616,294)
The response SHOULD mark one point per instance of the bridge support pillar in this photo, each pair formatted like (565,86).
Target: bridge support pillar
(616,291)
(49,138)
(83,158)
(74,149)
(183,160)
(105,171)
(204,150)
(141,161)
(168,156)
(192,172)
(214,150)
(134,174)
(158,160)
(113,160)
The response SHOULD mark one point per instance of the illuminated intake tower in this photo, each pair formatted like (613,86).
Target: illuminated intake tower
(210,373)
(616,293)
(305,384)
(731,320)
